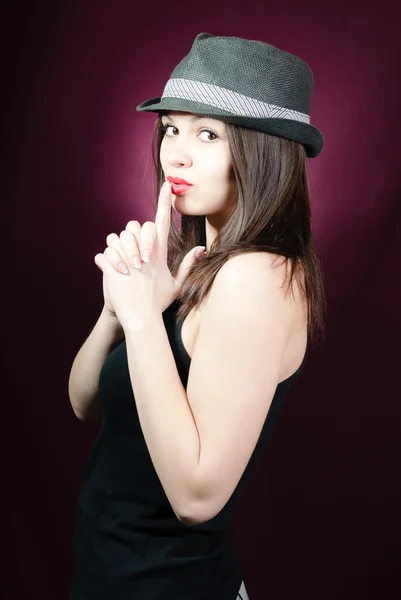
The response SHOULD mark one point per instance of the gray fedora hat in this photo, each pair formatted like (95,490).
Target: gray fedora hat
(243,82)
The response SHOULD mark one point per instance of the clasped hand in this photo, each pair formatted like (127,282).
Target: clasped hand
(137,291)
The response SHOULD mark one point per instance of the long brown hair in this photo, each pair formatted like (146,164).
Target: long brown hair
(273,214)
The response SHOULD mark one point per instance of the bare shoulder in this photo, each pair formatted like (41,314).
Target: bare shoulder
(257,283)
(265,272)
(263,260)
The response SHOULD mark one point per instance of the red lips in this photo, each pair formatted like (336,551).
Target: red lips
(177,180)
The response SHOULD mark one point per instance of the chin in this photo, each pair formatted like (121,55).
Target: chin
(179,203)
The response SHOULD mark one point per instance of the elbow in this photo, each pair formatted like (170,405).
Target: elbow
(80,416)
(88,415)
(191,521)
(195,515)
(202,506)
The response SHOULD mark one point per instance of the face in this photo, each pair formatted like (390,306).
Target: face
(196,149)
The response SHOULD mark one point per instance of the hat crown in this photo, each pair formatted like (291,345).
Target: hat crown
(264,71)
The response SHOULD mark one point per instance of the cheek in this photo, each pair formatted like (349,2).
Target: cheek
(163,154)
(217,167)
(162,158)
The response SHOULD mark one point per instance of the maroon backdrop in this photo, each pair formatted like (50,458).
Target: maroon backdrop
(321,516)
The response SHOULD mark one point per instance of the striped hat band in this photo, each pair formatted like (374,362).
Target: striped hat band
(232,102)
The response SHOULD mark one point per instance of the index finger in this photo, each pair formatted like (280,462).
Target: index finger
(163,215)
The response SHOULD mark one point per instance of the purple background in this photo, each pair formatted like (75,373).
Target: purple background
(321,516)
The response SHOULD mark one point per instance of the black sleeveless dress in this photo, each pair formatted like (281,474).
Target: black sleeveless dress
(129,544)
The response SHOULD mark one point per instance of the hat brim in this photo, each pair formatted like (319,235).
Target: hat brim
(304,133)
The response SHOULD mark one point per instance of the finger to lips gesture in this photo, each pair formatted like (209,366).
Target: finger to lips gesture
(136,244)
(137,297)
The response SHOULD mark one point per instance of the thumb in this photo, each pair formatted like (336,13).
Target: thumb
(186,264)
(99,261)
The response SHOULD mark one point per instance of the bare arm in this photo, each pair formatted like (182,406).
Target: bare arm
(83,384)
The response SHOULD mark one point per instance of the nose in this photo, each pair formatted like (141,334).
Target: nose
(179,159)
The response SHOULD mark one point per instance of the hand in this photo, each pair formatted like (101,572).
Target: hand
(117,250)
(142,293)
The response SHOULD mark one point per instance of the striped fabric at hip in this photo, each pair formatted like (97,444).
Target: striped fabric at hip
(242,593)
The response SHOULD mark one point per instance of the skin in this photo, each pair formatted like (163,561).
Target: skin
(202,158)
(197,150)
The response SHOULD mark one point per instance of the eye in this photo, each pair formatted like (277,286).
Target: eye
(210,133)
(165,127)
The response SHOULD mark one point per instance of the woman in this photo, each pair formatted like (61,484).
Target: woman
(188,404)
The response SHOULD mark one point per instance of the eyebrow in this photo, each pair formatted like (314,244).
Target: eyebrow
(192,117)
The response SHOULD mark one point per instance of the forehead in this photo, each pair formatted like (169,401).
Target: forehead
(176,115)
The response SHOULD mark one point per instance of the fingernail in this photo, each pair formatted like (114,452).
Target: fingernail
(167,189)
(137,262)
(200,252)
(146,255)
(123,268)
